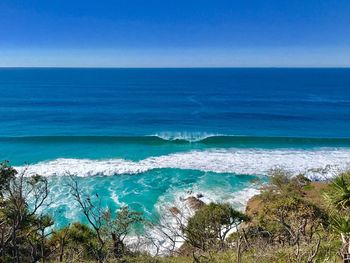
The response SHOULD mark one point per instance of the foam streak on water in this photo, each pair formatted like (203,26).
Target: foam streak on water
(238,161)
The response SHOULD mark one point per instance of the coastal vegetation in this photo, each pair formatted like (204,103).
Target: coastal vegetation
(292,220)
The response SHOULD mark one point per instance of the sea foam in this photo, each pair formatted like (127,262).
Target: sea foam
(186,136)
(317,164)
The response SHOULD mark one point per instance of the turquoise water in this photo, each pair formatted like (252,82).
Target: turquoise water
(148,137)
(146,192)
(36,149)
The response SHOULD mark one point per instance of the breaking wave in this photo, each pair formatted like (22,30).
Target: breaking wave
(317,163)
(186,138)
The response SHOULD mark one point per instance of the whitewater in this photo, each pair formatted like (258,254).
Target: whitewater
(317,164)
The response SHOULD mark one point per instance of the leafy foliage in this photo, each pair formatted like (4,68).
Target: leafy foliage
(23,229)
(210,225)
(338,194)
(119,227)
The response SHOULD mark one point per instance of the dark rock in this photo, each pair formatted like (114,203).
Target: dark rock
(194,203)
(199,195)
(174,210)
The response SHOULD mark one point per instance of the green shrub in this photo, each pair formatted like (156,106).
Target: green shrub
(208,228)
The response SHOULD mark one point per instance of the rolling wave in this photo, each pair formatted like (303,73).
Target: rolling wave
(316,164)
(178,138)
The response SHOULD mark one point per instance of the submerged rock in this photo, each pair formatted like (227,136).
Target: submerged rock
(189,192)
(199,195)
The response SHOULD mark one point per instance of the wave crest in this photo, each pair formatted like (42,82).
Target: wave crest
(184,138)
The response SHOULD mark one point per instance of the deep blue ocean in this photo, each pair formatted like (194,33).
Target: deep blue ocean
(146,137)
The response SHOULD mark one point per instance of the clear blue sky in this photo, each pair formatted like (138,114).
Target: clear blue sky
(174,33)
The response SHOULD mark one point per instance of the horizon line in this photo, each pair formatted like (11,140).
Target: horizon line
(177,67)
